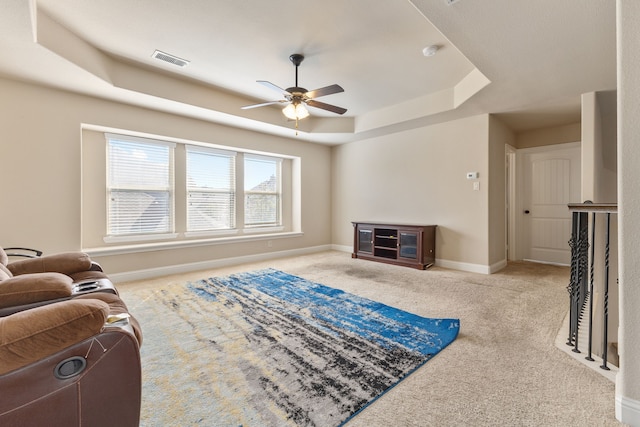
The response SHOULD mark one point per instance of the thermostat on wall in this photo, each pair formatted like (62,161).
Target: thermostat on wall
(472,175)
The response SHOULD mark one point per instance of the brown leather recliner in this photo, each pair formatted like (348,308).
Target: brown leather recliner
(71,363)
(40,280)
(78,265)
(68,357)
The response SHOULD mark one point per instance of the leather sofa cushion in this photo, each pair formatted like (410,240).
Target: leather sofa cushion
(4,259)
(31,335)
(65,263)
(37,287)
(4,273)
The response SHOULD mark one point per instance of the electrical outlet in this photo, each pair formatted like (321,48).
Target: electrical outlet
(476,186)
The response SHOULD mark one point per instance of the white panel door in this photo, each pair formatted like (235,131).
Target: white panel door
(551,181)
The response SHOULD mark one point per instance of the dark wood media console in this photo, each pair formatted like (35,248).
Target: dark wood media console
(407,245)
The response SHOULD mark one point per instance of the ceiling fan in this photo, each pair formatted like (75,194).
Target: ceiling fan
(297,97)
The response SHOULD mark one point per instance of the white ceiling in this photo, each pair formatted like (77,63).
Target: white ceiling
(527,61)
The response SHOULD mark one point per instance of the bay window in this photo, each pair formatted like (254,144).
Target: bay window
(146,190)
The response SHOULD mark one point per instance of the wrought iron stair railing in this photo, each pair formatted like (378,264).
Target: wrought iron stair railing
(586,218)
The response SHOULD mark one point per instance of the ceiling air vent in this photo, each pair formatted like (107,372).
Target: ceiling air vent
(162,56)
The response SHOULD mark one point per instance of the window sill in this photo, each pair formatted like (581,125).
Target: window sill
(138,238)
(155,246)
(210,234)
(270,230)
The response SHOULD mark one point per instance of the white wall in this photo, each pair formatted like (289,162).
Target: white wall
(499,136)
(40,154)
(590,139)
(628,378)
(419,177)
(548,136)
(599,171)
(607,164)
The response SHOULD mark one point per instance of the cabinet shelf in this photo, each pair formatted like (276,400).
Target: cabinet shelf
(408,245)
(382,251)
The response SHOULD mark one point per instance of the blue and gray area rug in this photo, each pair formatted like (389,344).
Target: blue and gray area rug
(267,348)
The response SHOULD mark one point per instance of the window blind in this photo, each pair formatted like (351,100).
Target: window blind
(262,188)
(140,186)
(211,194)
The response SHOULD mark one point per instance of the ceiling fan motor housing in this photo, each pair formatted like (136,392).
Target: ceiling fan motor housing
(296,58)
(297,91)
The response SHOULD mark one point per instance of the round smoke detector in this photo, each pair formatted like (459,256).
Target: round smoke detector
(430,50)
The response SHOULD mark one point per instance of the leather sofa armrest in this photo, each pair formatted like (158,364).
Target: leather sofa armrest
(31,335)
(116,307)
(36,287)
(65,263)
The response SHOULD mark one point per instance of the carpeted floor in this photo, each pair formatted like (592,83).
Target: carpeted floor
(503,369)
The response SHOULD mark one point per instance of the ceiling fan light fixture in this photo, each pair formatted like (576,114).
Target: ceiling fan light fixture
(295,111)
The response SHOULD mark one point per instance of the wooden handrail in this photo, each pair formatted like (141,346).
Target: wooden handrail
(593,207)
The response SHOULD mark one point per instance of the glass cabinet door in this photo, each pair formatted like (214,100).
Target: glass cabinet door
(365,240)
(408,245)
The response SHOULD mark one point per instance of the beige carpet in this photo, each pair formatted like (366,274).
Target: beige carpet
(503,369)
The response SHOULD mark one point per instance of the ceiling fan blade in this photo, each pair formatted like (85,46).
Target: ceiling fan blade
(328,107)
(247,107)
(272,86)
(327,90)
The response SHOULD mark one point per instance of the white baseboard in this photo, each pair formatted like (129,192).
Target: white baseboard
(494,268)
(216,263)
(342,248)
(627,411)
(473,268)
(454,265)
(225,262)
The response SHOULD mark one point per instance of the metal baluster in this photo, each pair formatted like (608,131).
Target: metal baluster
(591,263)
(606,296)
(578,285)
(572,286)
(581,284)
